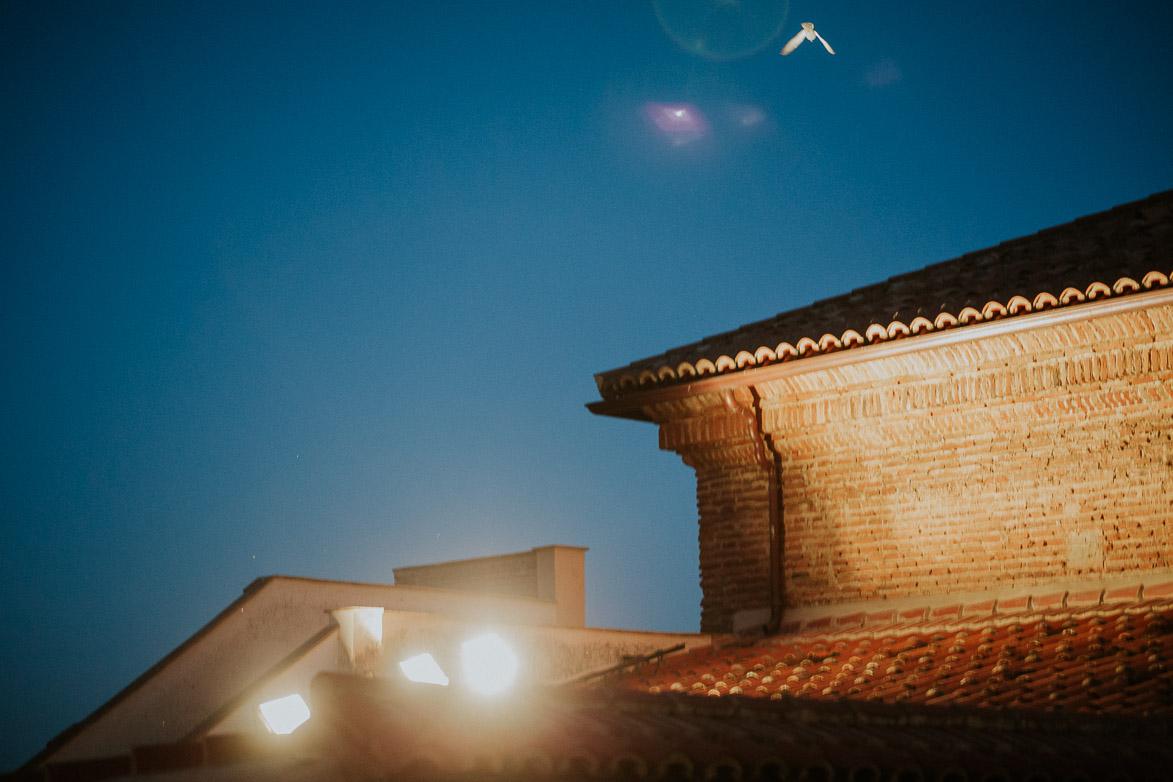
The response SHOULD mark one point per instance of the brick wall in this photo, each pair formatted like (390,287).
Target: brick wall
(1013,460)
(733,505)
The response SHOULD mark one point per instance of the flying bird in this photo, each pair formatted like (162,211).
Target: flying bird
(806,33)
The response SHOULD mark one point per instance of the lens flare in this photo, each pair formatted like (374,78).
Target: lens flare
(680,123)
(424,668)
(488,663)
(284,715)
(722,30)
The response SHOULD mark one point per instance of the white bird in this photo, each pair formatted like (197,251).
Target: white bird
(806,33)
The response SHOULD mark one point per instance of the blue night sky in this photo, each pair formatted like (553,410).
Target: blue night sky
(319,288)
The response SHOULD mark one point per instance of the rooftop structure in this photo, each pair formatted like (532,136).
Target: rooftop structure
(936,543)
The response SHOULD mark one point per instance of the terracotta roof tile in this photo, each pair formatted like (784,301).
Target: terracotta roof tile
(1088,597)
(380,729)
(1014,603)
(959,692)
(1050,600)
(1102,658)
(1158,590)
(1125,250)
(913,614)
(979,608)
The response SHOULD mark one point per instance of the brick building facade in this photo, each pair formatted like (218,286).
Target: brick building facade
(1000,421)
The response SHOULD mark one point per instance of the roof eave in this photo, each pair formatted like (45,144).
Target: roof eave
(634,404)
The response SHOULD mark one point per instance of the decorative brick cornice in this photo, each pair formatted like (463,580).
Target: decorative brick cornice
(717,426)
(1144,305)
(615,384)
(800,402)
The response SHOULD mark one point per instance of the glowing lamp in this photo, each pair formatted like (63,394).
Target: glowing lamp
(284,715)
(488,664)
(423,668)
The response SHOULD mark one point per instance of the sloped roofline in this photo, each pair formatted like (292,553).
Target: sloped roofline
(1123,252)
(631,402)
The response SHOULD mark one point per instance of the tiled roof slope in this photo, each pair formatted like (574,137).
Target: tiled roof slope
(1123,250)
(383,730)
(1057,686)
(390,731)
(1086,657)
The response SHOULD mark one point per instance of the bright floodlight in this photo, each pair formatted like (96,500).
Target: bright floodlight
(423,668)
(284,715)
(489,665)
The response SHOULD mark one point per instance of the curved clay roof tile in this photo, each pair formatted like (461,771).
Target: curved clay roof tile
(763,355)
(829,342)
(851,338)
(723,768)
(807,346)
(674,763)
(625,762)
(969,315)
(877,333)
(580,758)
(772,767)
(945,320)
(1155,279)
(1116,245)
(1126,285)
(785,351)
(1018,305)
(993,310)
(1045,301)
(897,329)
(920,325)
(1098,290)
(665,373)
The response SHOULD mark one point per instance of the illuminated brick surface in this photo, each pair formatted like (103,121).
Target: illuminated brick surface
(1036,450)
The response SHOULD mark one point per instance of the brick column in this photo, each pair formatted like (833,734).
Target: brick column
(734,507)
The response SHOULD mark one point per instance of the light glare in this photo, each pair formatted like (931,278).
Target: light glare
(371,620)
(488,664)
(677,118)
(284,715)
(424,668)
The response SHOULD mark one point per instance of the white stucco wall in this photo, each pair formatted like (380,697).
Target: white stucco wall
(240,647)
